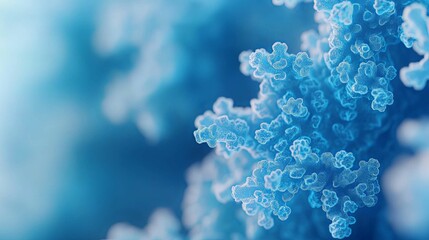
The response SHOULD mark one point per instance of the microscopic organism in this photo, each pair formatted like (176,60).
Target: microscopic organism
(316,112)
(296,157)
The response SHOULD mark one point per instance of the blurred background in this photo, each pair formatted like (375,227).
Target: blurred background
(98,100)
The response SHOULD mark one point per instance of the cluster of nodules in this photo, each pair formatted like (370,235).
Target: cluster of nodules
(317,112)
(314,105)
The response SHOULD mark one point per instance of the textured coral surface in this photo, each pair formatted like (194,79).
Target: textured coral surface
(303,159)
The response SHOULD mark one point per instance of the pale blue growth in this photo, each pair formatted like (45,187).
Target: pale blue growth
(342,13)
(315,113)
(384,8)
(272,185)
(406,183)
(224,131)
(301,139)
(358,40)
(299,116)
(416,74)
(344,159)
(416,34)
(415,27)
(293,107)
(209,211)
(381,99)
